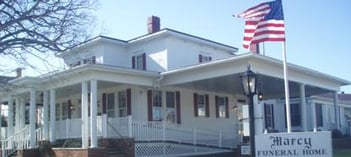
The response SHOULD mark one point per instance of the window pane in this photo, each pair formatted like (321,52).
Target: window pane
(221,106)
(201,105)
(170,107)
(157,113)
(170,99)
(110,105)
(295,114)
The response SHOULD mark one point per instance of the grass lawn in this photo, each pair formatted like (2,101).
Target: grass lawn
(342,153)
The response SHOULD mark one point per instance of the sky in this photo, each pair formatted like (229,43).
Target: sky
(316,31)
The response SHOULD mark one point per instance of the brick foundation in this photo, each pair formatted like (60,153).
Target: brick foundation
(125,145)
(64,152)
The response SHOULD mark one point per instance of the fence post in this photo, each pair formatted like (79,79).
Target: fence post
(67,128)
(164,131)
(220,138)
(130,131)
(104,125)
(194,136)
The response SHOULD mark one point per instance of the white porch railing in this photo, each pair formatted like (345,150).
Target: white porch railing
(148,131)
(20,140)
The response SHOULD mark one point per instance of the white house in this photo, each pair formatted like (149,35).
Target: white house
(162,87)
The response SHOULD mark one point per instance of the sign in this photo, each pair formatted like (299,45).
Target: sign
(245,150)
(297,144)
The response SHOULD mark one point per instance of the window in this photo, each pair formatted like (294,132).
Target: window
(222,103)
(26,118)
(268,116)
(201,106)
(319,114)
(64,110)
(203,58)
(110,101)
(170,107)
(139,62)
(157,106)
(122,104)
(90,60)
(58,112)
(295,114)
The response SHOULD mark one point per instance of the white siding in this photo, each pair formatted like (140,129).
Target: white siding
(116,56)
(183,53)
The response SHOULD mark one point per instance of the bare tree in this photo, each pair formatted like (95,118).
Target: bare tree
(43,26)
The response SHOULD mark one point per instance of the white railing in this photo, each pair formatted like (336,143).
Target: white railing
(148,131)
(20,140)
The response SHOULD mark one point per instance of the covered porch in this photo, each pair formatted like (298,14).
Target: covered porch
(224,76)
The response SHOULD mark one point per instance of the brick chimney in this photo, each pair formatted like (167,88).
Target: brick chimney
(153,24)
(18,72)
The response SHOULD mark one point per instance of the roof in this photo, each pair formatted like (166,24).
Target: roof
(184,36)
(162,32)
(5,79)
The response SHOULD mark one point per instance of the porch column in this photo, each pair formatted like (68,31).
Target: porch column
(303,107)
(85,122)
(22,110)
(258,110)
(17,115)
(52,115)
(314,118)
(93,113)
(46,115)
(336,110)
(32,118)
(10,116)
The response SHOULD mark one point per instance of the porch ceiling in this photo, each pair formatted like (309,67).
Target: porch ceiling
(270,87)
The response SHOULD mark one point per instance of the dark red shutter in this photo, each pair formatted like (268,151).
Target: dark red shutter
(149,105)
(217,106)
(103,103)
(178,107)
(196,112)
(207,106)
(129,101)
(144,61)
(226,107)
(200,58)
(93,60)
(133,62)
(69,105)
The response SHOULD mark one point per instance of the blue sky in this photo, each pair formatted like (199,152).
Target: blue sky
(317,32)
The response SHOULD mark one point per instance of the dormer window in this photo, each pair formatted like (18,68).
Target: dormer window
(204,58)
(90,60)
(139,62)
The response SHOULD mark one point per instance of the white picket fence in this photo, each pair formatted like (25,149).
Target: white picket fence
(149,131)
(147,134)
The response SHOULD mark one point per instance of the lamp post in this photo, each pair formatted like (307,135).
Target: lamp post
(248,80)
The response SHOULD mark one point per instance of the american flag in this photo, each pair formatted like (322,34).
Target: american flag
(264,22)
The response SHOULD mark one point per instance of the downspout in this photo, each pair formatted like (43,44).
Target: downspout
(157,81)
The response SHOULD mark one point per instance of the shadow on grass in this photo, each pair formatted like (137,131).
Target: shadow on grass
(342,153)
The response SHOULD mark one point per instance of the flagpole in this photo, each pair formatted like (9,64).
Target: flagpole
(286,87)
